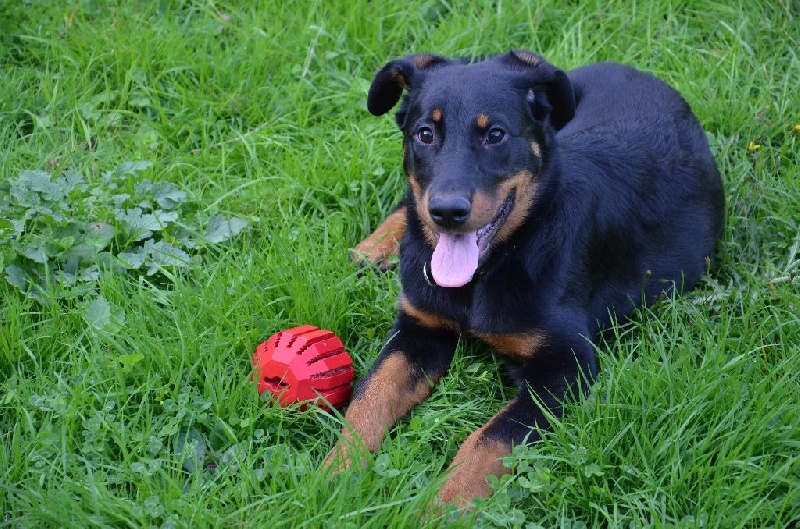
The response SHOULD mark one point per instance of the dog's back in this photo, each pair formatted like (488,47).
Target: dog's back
(636,152)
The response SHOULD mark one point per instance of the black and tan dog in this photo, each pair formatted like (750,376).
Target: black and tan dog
(540,205)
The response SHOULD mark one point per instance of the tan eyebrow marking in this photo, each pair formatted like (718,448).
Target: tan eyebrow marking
(422,61)
(437,115)
(526,57)
(483,121)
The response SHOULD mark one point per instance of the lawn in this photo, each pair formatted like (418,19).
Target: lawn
(180,180)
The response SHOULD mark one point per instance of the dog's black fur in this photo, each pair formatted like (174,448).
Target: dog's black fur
(600,193)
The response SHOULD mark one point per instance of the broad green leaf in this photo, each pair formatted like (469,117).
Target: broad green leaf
(129,361)
(65,243)
(6,228)
(132,260)
(35,180)
(26,284)
(69,181)
(138,101)
(43,121)
(65,278)
(27,188)
(167,195)
(142,225)
(143,187)
(67,236)
(19,225)
(220,229)
(108,261)
(147,138)
(99,234)
(33,252)
(89,274)
(383,466)
(120,199)
(592,469)
(190,445)
(104,98)
(42,183)
(103,316)
(165,217)
(81,253)
(16,277)
(133,168)
(98,313)
(73,230)
(89,112)
(162,254)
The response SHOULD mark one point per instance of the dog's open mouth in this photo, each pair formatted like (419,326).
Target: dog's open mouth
(457,255)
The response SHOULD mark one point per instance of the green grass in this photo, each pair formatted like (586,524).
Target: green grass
(257,109)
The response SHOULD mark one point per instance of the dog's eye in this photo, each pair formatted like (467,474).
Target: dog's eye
(495,135)
(425,135)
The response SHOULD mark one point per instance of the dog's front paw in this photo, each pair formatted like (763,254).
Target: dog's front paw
(382,247)
(344,455)
(337,460)
(383,256)
(467,478)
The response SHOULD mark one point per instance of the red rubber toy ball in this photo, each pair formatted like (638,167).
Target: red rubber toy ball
(303,364)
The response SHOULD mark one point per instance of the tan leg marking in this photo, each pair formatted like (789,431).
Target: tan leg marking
(476,460)
(518,345)
(424,318)
(388,396)
(384,242)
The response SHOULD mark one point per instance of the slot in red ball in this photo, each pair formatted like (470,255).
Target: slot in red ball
(302,364)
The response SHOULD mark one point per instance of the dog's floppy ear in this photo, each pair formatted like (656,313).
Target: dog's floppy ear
(396,76)
(553,95)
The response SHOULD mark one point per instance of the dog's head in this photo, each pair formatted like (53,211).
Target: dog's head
(475,142)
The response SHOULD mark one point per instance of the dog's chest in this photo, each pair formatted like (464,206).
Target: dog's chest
(506,320)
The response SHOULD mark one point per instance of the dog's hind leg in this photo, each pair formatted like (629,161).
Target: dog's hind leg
(382,246)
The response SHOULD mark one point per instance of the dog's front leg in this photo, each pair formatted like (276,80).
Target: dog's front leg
(549,376)
(413,359)
(383,244)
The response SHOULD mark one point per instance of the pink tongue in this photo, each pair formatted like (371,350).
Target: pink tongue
(455,259)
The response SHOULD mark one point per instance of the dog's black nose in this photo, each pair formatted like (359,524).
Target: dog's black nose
(449,212)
